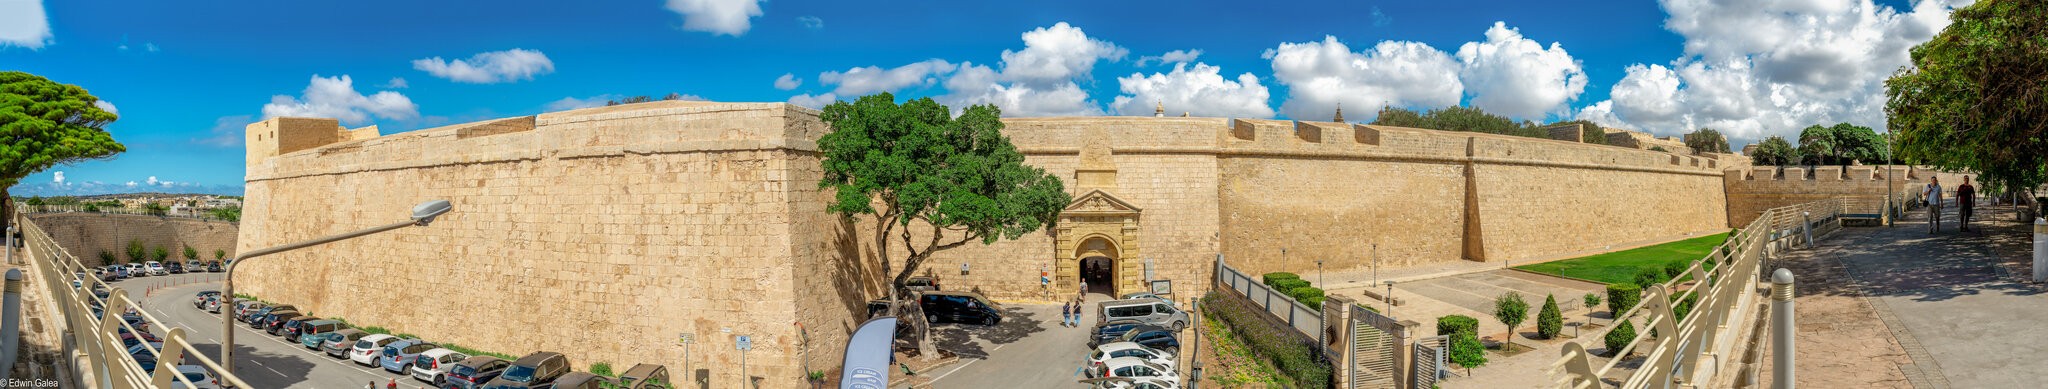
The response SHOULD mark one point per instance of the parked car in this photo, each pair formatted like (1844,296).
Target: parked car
(213,306)
(193,266)
(398,357)
(288,327)
(1109,351)
(201,379)
(109,274)
(582,380)
(199,301)
(135,269)
(173,267)
(367,349)
(311,329)
(268,320)
(146,354)
(1133,383)
(266,311)
(959,307)
(1150,311)
(128,339)
(532,370)
(214,267)
(338,342)
(431,365)
(1109,331)
(127,272)
(155,268)
(1156,337)
(645,376)
(1147,295)
(474,371)
(1131,367)
(921,284)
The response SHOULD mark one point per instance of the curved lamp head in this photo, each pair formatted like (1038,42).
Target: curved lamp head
(427,211)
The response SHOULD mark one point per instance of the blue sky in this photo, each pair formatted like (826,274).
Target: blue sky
(186,76)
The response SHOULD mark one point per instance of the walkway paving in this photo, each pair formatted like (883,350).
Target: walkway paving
(1941,310)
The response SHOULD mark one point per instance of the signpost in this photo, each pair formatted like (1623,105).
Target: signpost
(743,343)
(686,339)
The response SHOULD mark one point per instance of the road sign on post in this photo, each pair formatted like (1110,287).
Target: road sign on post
(744,343)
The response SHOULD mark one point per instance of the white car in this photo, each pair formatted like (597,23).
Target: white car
(1106,352)
(1133,383)
(156,268)
(431,365)
(201,378)
(1133,367)
(1148,295)
(366,349)
(136,270)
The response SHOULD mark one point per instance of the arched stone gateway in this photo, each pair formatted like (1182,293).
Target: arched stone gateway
(1097,240)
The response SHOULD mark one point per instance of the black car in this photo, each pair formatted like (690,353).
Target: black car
(1107,332)
(213,266)
(475,371)
(959,307)
(1156,337)
(174,267)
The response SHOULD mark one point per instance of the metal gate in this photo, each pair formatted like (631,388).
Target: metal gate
(1430,355)
(1372,352)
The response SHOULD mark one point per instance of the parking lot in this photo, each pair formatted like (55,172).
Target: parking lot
(1030,349)
(262,360)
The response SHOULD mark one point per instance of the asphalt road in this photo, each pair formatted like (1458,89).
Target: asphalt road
(262,360)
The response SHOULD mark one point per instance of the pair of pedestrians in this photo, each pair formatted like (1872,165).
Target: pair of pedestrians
(1966,199)
(1070,314)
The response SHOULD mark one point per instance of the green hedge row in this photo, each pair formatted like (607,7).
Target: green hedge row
(1293,286)
(1296,359)
(1272,279)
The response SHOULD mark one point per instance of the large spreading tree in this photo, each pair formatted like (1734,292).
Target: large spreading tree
(956,179)
(1976,95)
(43,124)
(1707,140)
(1775,151)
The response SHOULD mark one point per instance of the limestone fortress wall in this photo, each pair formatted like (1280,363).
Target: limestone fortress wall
(1755,189)
(605,232)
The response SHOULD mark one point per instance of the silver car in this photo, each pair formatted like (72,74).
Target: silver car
(1146,310)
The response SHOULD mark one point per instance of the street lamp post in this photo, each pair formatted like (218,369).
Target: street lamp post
(421,215)
(1319,275)
(1390,298)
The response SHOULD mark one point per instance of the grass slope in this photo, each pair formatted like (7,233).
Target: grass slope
(1620,266)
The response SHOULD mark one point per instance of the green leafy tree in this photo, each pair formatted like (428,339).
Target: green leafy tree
(1707,140)
(1591,300)
(154,209)
(1817,144)
(191,254)
(137,252)
(1511,311)
(44,123)
(1550,320)
(1466,351)
(1859,143)
(106,257)
(219,254)
(1775,151)
(1619,338)
(1972,98)
(916,163)
(160,253)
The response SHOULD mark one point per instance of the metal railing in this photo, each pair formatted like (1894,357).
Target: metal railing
(94,325)
(1307,321)
(1692,351)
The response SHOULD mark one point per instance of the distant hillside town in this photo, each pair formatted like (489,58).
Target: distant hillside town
(203,206)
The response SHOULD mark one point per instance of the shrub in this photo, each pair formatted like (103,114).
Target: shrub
(190,253)
(1674,268)
(219,254)
(1550,321)
(1308,295)
(106,257)
(602,368)
(1454,324)
(1271,279)
(1510,310)
(136,252)
(1619,338)
(1684,306)
(1467,351)
(1286,285)
(1648,276)
(1295,359)
(1621,297)
(160,253)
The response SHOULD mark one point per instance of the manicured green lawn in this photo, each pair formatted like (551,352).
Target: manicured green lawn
(1620,266)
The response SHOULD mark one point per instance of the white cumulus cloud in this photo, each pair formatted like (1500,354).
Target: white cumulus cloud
(489,67)
(1756,68)
(1176,56)
(788,81)
(569,103)
(1056,54)
(1514,76)
(1200,91)
(57,177)
(336,97)
(718,17)
(814,102)
(395,83)
(1321,75)
(23,23)
(106,106)
(866,80)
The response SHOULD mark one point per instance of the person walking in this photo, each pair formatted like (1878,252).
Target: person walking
(1078,309)
(1933,196)
(1966,201)
(1066,313)
(1084,289)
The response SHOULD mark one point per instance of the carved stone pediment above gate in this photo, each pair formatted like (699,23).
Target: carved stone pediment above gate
(1099,203)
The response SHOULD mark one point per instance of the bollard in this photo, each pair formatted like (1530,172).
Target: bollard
(1782,328)
(1806,227)
(10,324)
(2041,249)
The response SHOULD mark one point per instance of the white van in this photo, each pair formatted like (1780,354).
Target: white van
(1145,310)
